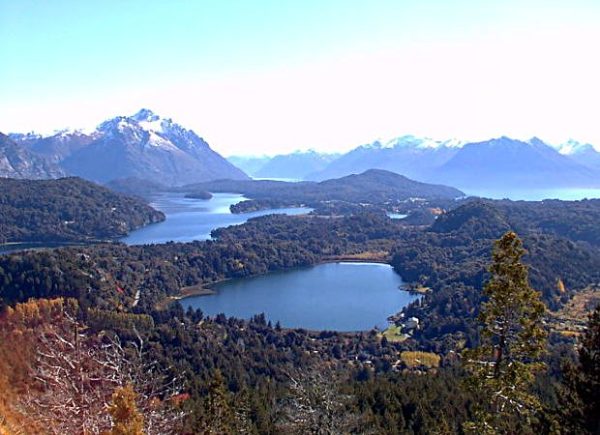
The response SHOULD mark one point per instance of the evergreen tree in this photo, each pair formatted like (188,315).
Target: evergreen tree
(220,418)
(512,340)
(581,397)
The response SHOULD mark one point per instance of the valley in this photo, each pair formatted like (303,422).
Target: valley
(282,307)
(299,218)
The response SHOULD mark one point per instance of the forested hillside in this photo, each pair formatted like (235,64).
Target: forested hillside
(251,376)
(68,210)
(451,257)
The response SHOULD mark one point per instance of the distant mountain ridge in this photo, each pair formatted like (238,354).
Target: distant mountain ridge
(583,153)
(513,163)
(18,162)
(56,147)
(296,165)
(144,146)
(496,163)
(408,155)
(249,164)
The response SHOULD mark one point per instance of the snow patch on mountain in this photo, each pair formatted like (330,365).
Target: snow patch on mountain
(411,141)
(572,146)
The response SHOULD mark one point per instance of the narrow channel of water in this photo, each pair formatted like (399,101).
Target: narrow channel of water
(194,219)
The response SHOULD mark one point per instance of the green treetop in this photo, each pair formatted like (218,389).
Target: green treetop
(512,342)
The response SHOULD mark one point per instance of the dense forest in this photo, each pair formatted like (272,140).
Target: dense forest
(450,258)
(68,210)
(237,376)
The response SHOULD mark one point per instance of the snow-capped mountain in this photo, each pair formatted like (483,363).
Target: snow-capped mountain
(583,153)
(144,146)
(511,163)
(408,155)
(573,146)
(495,163)
(410,141)
(56,147)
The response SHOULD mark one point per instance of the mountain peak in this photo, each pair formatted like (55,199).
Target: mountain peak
(25,136)
(536,141)
(572,147)
(145,115)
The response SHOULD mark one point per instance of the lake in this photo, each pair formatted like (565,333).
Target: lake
(194,219)
(331,296)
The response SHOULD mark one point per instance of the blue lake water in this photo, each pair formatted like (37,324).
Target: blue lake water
(332,296)
(194,219)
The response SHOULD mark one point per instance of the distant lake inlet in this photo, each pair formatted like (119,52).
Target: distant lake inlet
(190,219)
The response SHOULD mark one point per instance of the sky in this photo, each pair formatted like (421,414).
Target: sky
(272,76)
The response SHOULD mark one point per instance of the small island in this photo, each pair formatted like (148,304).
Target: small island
(201,194)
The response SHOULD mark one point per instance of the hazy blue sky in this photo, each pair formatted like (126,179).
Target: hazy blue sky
(257,77)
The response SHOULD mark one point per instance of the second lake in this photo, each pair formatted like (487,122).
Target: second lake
(331,296)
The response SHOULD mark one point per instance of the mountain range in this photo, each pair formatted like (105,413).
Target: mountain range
(408,155)
(496,163)
(144,146)
(583,153)
(514,164)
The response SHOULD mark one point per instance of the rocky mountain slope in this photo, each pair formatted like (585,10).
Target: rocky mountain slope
(144,145)
(18,162)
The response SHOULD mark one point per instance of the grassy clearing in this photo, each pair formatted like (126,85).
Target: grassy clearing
(393,334)
(420,359)
(571,319)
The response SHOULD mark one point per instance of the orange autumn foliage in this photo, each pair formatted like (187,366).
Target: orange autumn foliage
(18,327)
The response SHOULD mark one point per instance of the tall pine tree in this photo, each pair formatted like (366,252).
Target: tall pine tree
(512,340)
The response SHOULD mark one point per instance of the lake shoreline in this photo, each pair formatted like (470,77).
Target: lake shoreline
(206,289)
(297,304)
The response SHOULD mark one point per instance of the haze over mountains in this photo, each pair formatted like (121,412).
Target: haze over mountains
(147,147)
(514,164)
(496,163)
(583,153)
(407,155)
(143,145)
(298,165)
